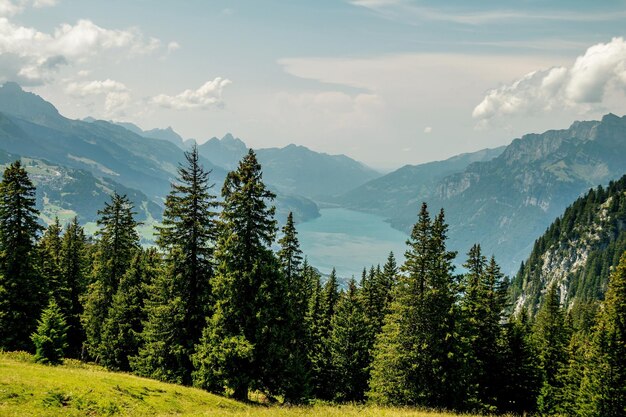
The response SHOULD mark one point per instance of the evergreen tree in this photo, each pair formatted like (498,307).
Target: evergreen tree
(122,328)
(50,338)
(297,376)
(246,340)
(349,346)
(188,237)
(74,266)
(604,383)
(415,355)
(522,377)
(22,292)
(118,242)
(551,338)
(50,262)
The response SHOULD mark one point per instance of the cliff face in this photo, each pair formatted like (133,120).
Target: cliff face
(577,251)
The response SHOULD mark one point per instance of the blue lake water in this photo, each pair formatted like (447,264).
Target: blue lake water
(349,240)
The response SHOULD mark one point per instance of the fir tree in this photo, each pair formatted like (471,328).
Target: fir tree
(297,376)
(551,338)
(415,355)
(188,237)
(50,338)
(22,292)
(122,328)
(50,259)
(349,346)
(245,342)
(118,242)
(604,384)
(74,266)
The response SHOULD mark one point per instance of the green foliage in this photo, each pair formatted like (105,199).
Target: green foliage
(22,292)
(117,245)
(415,355)
(74,266)
(50,340)
(124,323)
(349,346)
(604,384)
(249,292)
(49,247)
(188,237)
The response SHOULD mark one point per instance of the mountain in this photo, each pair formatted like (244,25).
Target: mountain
(167,134)
(293,170)
(409,185)
(33,128)
(67,192)
(225,152)
(577,251)
(301,171)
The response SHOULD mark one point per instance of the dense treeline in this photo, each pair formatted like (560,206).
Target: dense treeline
(227,302)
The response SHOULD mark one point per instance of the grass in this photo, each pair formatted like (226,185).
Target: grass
(78,389)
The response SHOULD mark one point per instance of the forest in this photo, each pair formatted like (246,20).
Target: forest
(227,302)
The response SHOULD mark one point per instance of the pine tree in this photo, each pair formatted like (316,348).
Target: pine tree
(245,342)
(118,242)
(122,328)
(297,376)
(22,292)
(551,338)
(604,383)
(522,378)
(349,346)
(49,247)
(415,355)
(188,237)
(50,338)
(74,266)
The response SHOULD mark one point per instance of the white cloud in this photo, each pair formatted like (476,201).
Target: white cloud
(588,83)
(208,95)
(11,7)
(428,130)
(32,57)
(116,95)
(173,46)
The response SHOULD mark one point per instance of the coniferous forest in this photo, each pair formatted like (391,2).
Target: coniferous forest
(227,302)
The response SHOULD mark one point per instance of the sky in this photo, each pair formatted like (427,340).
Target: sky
(387,82)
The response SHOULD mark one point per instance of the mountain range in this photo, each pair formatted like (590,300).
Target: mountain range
(506,197)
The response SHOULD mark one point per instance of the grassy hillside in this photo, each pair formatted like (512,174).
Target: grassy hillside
(76,389)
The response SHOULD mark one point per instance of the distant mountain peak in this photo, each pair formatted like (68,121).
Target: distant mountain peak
(28,106)
(12,87)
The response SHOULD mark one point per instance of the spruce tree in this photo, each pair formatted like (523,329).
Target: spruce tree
(49,247)
(245,343)
(188,238)
(117,244)
(74,266)
(604,384)
(50,340)
(415,355)
(551,338)
(297,375)
(22,292)
(349,346)
(122,328)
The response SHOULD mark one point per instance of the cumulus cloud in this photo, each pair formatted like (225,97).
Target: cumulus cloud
(116,95)
(594,76)
(35,56)
(208,95)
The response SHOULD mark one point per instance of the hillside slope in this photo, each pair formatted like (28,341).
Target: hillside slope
(577,251)
(76,389)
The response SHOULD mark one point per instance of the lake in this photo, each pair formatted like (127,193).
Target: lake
(349,240)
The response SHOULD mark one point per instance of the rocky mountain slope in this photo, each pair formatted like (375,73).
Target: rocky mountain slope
(577,251)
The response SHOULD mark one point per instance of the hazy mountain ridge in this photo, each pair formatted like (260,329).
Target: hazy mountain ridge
(68,192)
(577,251)
(409,185)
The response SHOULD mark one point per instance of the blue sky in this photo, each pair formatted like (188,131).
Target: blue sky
(388,82)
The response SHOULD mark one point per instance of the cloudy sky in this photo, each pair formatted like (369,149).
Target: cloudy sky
(388,82)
